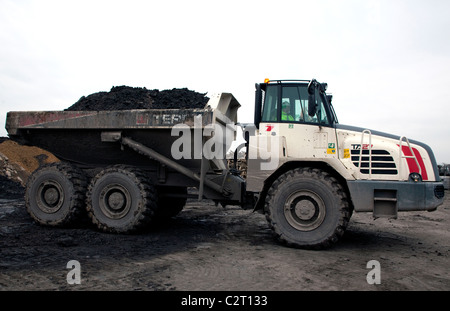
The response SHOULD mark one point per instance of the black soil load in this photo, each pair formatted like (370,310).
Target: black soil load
(126,98)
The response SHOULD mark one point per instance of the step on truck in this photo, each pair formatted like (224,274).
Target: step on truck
(307,173)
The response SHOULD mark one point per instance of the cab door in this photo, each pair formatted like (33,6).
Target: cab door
(285,114)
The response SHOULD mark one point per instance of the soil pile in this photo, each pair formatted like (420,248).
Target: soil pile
(17,162)
(126,97)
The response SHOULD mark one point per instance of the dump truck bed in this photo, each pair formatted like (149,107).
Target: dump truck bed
(78,136)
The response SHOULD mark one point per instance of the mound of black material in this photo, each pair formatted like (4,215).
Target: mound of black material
(10,189)
(126,97)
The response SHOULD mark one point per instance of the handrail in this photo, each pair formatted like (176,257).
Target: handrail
(413,156)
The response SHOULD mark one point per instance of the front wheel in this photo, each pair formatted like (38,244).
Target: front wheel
(307,208)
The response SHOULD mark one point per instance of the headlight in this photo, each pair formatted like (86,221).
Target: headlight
(415,177)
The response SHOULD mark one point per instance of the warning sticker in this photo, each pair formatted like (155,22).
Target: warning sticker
(346,153)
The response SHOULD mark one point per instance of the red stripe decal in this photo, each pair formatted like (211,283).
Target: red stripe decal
(42,117)
(412,165)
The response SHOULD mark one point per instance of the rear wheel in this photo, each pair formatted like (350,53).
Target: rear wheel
(120,199)
(55,194)
(307,208)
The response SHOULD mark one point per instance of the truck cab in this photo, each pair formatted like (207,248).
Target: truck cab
(380,173)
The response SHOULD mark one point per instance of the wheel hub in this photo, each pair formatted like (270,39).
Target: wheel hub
(304,210)
(50,197)
(115,201)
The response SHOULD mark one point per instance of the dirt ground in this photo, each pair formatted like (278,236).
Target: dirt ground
(213,248)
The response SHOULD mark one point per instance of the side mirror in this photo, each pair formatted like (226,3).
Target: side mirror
(312,106)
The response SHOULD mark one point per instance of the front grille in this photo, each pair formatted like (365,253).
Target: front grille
(439,191)
(382,162)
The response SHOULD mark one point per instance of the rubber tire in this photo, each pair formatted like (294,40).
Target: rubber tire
(63,179)
(321,187)
(169,207)
(141,206)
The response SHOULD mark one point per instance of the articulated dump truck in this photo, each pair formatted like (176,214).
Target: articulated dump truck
(306,172)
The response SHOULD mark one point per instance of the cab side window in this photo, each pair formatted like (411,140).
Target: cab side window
(291,106)
(296,99)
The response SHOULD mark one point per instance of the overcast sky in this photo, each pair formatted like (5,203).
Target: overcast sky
(387,63)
